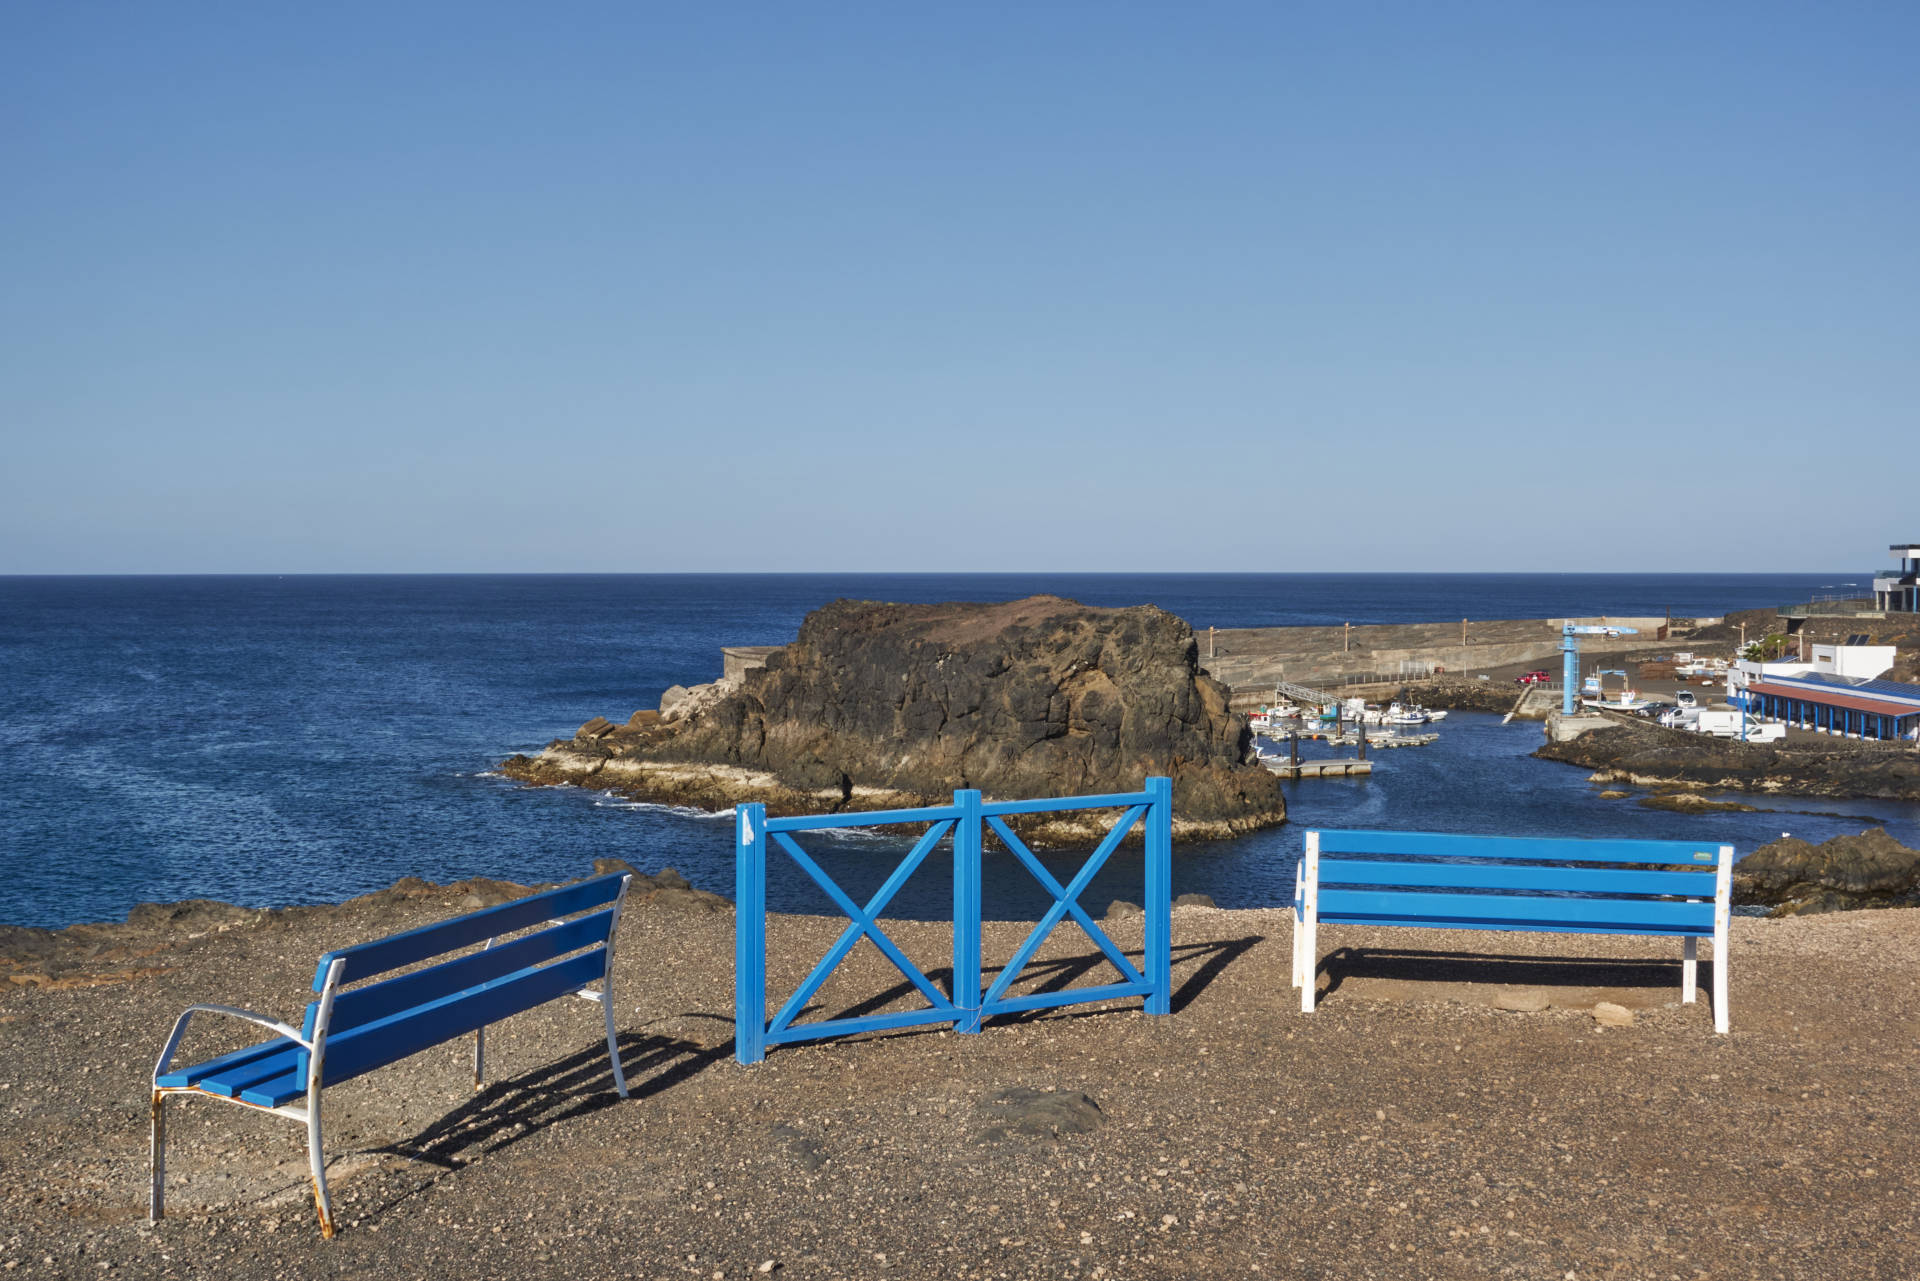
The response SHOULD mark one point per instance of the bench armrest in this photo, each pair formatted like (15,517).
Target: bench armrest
(180,1030)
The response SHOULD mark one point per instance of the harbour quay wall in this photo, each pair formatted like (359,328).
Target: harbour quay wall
(1251,659)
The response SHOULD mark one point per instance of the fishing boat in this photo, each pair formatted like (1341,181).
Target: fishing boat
(1269,719)
(1593,693)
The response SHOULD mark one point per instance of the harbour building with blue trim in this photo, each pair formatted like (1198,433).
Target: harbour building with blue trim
(1837,704)
(1897,591)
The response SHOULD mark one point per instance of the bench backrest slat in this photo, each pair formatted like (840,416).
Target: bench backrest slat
(1491,910)
(1514,876)
(403,992)
(367,959)
(374,1045)
(1540,849)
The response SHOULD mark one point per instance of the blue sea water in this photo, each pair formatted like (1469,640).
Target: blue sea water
(270,740)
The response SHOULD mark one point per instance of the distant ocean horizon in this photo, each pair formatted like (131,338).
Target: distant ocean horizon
(282,739)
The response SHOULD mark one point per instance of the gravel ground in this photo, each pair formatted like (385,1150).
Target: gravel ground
(1410,1128)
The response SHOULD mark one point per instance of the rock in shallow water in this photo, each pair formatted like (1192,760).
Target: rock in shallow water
(1797,878)
(880,705)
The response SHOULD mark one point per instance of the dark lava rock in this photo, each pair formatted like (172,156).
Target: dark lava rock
(1652,755)
(1195,900)
(26,943)
(1120,910)
(1796,878)
(664,889)
(189,915)
(803,1148)
(1037,697)
(1689,803)
(1039,1114)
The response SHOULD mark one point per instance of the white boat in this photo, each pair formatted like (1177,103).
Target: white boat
(1627,702)
(1268,719)
(1407,714)
(1359,711)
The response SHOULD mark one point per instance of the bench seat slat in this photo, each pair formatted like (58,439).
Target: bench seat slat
(377,957)
(1434,909)
(1522,927)
(273,1073)
(1510,876)
(194,1075)
(391,996)
(1554,849)
(283,1057)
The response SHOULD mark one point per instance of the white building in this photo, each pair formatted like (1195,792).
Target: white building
(1898,590)
(1862,661)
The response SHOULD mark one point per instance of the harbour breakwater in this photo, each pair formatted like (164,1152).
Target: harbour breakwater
(1252,659)
(880,706)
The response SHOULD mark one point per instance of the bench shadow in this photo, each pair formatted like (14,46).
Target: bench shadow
(1411,966)
(515,1108)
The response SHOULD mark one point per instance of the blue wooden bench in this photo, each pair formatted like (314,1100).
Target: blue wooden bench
(1515,883)
(351,1030)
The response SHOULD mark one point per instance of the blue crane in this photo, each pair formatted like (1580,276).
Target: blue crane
(1570,635)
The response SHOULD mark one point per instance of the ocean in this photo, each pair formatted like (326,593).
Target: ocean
(281,740)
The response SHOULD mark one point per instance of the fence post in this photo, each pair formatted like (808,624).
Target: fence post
(750,933)
(1159,926)
(968,839)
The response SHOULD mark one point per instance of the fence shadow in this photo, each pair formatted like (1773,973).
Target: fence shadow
(1208,961)
(1407,965)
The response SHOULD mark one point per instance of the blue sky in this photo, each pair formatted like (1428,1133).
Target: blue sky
(421,287)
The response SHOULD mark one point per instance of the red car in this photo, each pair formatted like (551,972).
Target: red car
(1533,678)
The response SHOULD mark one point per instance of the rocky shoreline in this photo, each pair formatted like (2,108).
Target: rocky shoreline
(1638,752)
(1461,1105)
(879,706)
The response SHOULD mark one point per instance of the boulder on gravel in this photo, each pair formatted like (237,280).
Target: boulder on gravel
(1797,878)
(1040,1114)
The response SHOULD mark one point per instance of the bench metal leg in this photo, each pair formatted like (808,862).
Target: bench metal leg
(1722,935)
(317,1163)
(613,1045)
(1720,1021)
(157,1156)
(1295,920)
(1308,932)
(1690,970)
(1307,922)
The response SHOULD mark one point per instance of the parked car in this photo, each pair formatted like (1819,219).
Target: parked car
(1653,711)
(1534,678)
(1685,698)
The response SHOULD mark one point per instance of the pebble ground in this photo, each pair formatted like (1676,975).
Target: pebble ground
(1411,1127)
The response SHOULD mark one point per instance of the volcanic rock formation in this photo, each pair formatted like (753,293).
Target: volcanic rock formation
(879,705)
(1654,756)
(1796,878)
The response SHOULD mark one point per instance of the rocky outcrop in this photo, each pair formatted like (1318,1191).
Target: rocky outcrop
(1796,878)
(1652,755)
(880,705)
(43,958)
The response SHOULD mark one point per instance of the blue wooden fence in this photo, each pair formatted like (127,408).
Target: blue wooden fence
(967,822)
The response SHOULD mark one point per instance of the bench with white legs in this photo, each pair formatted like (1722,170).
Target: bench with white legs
(349,1031)
(1671,889)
